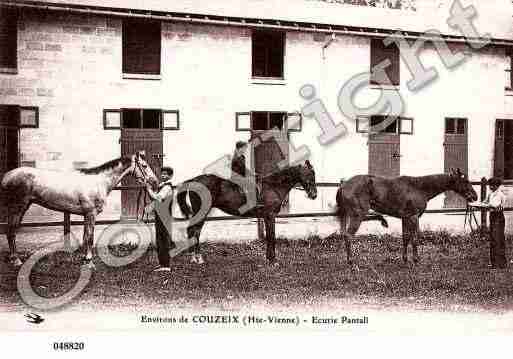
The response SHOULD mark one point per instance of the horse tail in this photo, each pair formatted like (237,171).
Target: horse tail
(5,180)
(340,211)
(383,221)
(373,198)
(182,203)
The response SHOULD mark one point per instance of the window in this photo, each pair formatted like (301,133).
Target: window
(380,52)
(268,120)
(140,118)
(401,125)
(268,54)
(499,129)
(114,119)
(15,116)
(455,126)
(141,47)
(508,78)
(391,128)
(8,40)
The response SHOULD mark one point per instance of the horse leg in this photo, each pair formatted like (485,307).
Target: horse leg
(194,233)
(15,215)
(270,240)
(414,238)
(354,225)
(89,221)
(406,238)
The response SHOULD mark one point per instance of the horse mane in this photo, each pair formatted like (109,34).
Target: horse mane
(429,179)
(106,166)
(285,175)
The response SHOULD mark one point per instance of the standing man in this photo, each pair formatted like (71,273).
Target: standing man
(163,238)
(495,201)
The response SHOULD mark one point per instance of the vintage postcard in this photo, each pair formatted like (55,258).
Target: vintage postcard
(293,166)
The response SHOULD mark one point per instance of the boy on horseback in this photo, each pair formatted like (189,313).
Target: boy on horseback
(238,168)
(163,238)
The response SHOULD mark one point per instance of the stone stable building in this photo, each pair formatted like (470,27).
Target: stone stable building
(85,81)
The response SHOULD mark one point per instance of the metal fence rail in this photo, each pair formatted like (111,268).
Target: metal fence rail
(67,222)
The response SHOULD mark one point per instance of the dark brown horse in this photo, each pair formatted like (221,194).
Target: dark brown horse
(226,196)
(83,192)
(402,197)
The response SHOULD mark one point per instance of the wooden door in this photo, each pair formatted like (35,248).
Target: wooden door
(147,137)
(508,150)
(455,155)
(384,148)
(385,154)
(270,152)
(9,154)
(498,157)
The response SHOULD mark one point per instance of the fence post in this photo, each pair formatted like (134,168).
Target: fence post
(484,182)
(260,227)
(67,230)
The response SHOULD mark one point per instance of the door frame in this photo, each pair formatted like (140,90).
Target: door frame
(14,126)
(284,131)
(452,199)
(126,197)
(392,138)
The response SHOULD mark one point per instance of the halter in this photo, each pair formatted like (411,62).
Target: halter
(137,165)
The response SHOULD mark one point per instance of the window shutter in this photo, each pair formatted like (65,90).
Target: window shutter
(294,122)
(170,120)
(509,67)
(243,121)
(8,38)
(406,126)
(111,119)
(29,117)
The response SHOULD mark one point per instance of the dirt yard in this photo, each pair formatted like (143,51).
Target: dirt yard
(453,276)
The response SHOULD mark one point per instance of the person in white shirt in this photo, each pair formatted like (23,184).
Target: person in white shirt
(496,201)
(163,238)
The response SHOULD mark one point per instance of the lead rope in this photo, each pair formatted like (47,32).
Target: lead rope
(145,201)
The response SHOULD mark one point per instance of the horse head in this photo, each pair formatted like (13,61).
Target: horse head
(307,179)
(141,170)
(461,185)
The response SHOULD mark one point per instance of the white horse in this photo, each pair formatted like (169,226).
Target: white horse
(82,192)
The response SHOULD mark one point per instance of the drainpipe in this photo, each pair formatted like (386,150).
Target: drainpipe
(327,44)
(321,85)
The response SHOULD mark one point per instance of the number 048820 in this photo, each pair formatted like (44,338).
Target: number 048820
(68,346)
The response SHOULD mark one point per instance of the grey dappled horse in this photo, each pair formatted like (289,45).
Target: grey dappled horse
(82,192)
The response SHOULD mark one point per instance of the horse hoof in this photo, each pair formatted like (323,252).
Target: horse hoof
(197,259)
(354,268)
(89,266)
